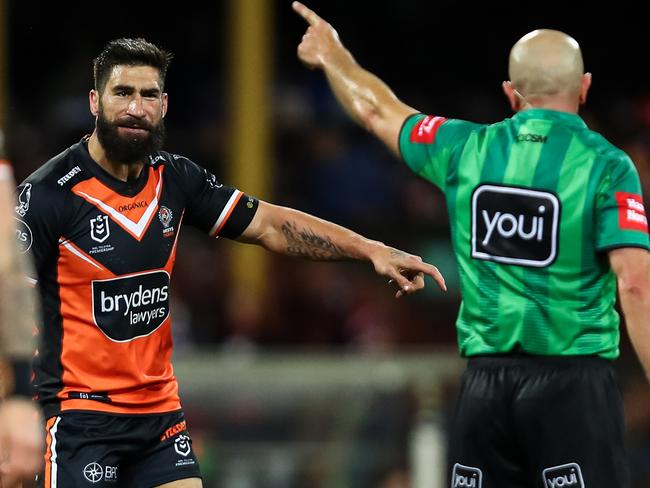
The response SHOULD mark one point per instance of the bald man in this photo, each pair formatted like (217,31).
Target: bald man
(547,217)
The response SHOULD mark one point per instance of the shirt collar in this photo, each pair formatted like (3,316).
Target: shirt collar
(555,115)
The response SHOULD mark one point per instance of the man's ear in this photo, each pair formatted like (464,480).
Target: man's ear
(513,99)
(584,88)
(165,104)
(93,101)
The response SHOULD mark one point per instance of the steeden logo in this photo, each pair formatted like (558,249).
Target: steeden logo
(173,430)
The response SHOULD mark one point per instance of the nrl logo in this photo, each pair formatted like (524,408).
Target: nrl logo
(182,445)
(99,230)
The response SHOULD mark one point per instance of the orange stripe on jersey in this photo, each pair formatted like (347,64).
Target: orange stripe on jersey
(50,452)
(225,213)
(133,214)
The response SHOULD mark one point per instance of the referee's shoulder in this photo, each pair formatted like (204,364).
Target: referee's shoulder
(605,150)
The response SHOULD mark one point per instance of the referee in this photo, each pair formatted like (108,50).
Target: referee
(547,218)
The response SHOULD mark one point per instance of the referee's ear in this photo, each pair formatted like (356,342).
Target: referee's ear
(512,97)
(584,88)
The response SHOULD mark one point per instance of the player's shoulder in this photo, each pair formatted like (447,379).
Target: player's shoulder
(58,174)
(174,163)
(45,192)
(181,167)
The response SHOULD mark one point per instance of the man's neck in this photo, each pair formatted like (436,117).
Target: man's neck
(121,171)
(552,103)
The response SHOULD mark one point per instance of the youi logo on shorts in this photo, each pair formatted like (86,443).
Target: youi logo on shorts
(466,477)
(129,307)
(515,225)
(563,476)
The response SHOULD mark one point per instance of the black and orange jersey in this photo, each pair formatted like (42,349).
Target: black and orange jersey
(104,250)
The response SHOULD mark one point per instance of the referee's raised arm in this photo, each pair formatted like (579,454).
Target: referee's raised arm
(365,97)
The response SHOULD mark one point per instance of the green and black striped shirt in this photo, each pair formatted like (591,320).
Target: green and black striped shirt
(533,202)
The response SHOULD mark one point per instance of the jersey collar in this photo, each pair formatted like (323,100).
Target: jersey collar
(554,115)
(126,188)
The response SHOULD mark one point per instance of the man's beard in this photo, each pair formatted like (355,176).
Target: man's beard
(129,149)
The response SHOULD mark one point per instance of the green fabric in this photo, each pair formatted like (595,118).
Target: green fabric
(532,201)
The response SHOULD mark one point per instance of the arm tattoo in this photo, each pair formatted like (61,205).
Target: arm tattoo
(307,244)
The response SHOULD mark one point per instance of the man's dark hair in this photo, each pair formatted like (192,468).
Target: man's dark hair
(130,52)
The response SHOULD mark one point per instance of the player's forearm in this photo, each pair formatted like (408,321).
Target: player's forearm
(296,233)
(635,302)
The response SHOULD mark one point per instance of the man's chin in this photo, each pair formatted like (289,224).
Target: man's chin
(133,133)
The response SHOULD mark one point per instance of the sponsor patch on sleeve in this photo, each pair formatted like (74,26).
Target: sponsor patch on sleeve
(424,132)
(631,213)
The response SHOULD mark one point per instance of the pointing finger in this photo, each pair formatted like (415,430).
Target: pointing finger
(309,15)
(432,271)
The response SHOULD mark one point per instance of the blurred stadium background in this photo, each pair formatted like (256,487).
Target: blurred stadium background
(298,374)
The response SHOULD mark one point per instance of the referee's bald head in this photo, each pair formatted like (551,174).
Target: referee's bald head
(546,62)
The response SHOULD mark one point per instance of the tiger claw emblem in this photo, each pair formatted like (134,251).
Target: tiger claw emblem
(182,445)
(165,216)
(99,230)
(23,200)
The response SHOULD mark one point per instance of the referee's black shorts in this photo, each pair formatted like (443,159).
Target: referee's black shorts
(538,422)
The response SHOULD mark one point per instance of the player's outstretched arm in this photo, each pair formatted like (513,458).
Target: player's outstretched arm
(287,231)
(366,98)
(632,268)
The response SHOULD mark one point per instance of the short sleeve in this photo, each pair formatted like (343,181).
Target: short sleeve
(38,221)
(620,214)
(428,143)
(214,208)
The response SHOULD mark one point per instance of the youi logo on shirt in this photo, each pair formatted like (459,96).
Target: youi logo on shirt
(466,477)
(515,225)
(563,476)
(129,307)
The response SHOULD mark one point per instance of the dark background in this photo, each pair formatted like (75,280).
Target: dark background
(445,58)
